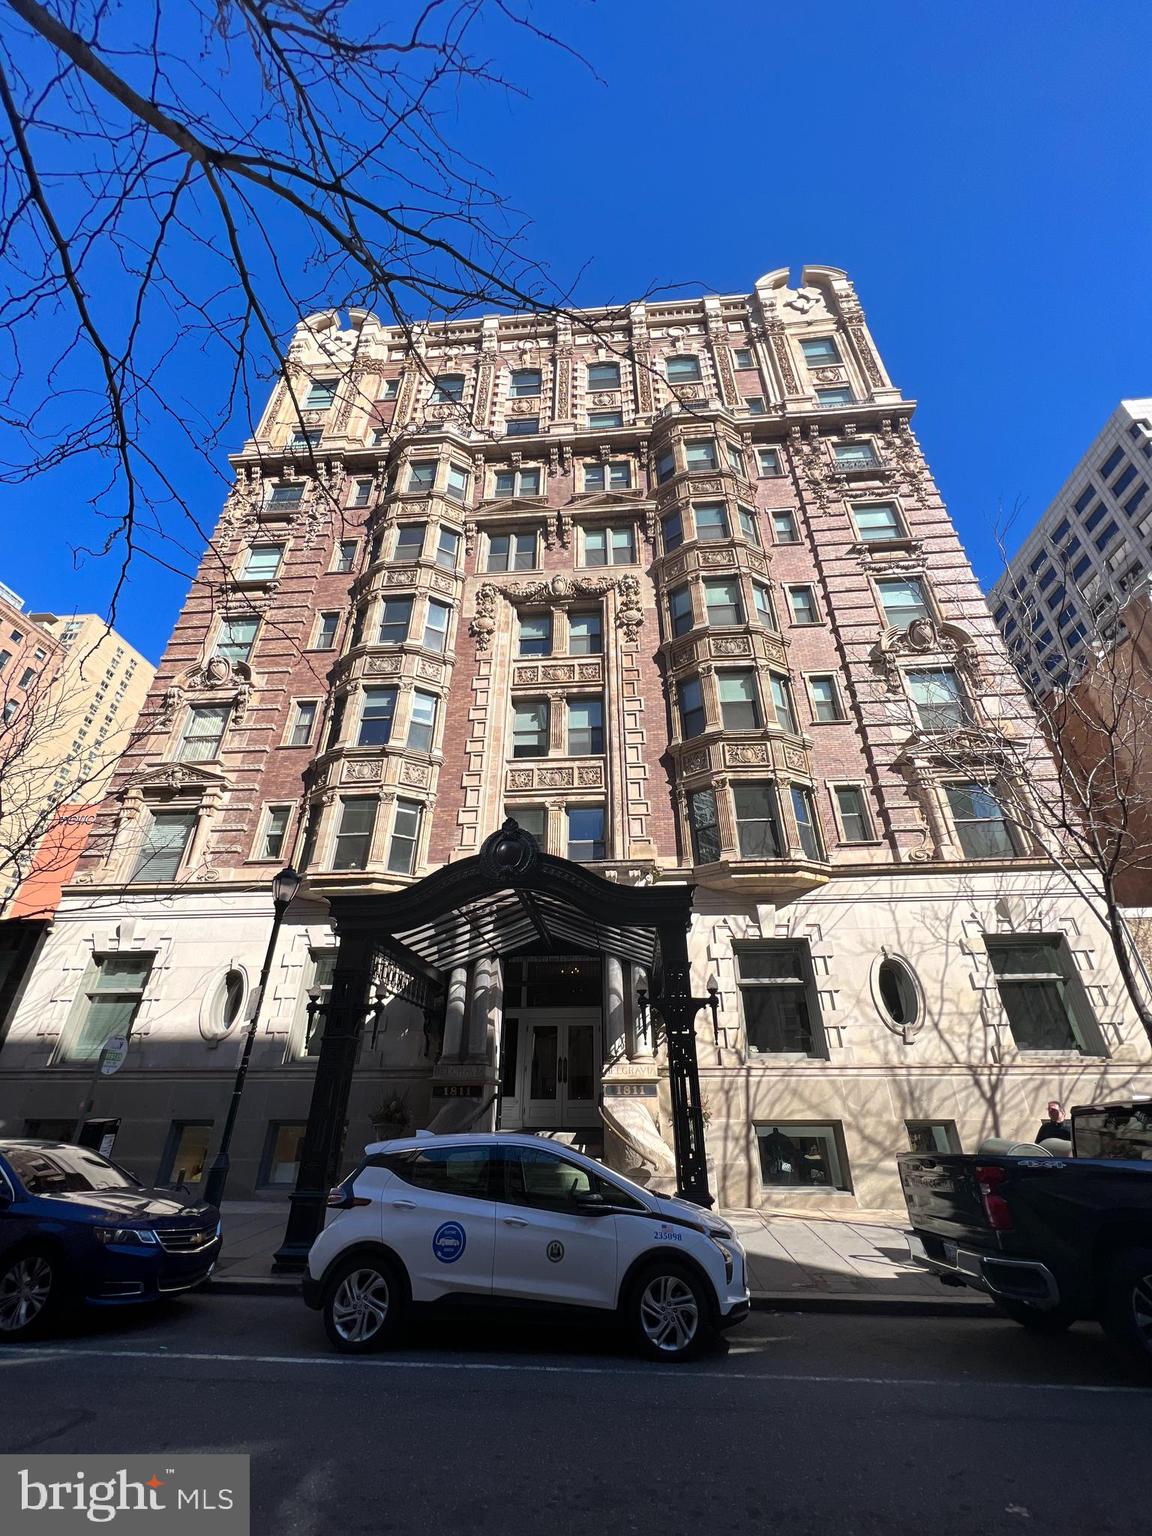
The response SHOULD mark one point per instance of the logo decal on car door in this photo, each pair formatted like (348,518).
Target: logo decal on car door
(555,1252)
(449,1242)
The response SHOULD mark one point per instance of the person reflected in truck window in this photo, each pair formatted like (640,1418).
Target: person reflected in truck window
(1057,1123)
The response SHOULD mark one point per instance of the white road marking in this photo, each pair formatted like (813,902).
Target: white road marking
(524,1367)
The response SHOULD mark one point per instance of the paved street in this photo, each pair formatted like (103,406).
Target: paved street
(806,1424)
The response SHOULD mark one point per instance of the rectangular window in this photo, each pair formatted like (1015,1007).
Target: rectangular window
(533,819)
(448,389)
(852,811)
(672,531)
(287,496)
(739,701)
(535,634)
(321,395)
(765,612)
(585,833)
(931,1136)
(436,627)
(981,826)
(376,717)
(768,462)
(735,459)
(1123,480)
(263,562)
(585,727)
(185,1155)
(705,825)
(1032,977)
(603,376)
(902,601)
(682,370)
(525,383)
(1135,499)
(723,603)
(807,825)
(275,830)
(1106,535)
(801,1156)
(819,349)
(203,732)
(755,405)
(1093,517)
(457,485)
(680,610)
(840,394)
(303,723)
(1084,498)
(512,551)
(939,699)
(777,999)
(517,482)
(700,454)
(361,492)
(692,717)
(600,477)
(164,847)
(282,1148)
(784,528)
(422,721)
(1111,462)
(711,521)
(802,603)
(522,426)
(585,634)
(422,474)
(405,836)
(855,455)
(236,638)
(327,625)
(665,467)
(345,559)
(604,421)
(110,1000)
(825,698)
(354,833)
(757,821)
(305,442)
(395,617)
(742,358)
(609,546)
(782,702)
(530,728)
(448,549)
(748,525)
(409,542)
(877,521)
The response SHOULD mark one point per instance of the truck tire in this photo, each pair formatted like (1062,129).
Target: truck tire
(1127,1315)
(1054,1320)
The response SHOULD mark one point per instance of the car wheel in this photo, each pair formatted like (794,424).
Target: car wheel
(1127,1314)
(363,1304)
(669,1313)
(1054,1320)
(31,1294)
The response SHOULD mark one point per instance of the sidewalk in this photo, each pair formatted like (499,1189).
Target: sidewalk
(817,1263)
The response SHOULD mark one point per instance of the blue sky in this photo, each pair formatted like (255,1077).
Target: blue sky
(979,169)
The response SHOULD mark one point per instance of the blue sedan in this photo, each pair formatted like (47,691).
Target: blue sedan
(76,1229)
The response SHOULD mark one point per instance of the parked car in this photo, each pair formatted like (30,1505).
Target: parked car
(518,1221)
(1050,1239)
(77,1229)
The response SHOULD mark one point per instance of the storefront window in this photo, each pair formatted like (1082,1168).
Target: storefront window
(801,1156)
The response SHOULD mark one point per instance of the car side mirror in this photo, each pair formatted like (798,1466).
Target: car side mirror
(589,1203)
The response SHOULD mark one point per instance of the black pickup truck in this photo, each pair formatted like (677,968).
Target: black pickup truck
(1049,1239)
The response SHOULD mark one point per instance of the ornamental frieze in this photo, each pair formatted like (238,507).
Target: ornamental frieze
(747,754)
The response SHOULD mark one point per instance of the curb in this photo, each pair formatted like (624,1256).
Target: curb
(253,1285)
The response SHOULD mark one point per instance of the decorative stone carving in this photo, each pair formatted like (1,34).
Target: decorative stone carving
(561,673)
(360,772)
(707,487)
(796,758)
(520,778)
(482,626)
(746,756)
(694,762)
(630,609)
(525,405)
(378,666)
(735,645)
(554,778)
(417,774)
(589,776)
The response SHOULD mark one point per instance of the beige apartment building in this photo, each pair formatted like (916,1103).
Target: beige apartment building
(671,588)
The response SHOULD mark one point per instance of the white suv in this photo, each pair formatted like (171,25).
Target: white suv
(515,1219)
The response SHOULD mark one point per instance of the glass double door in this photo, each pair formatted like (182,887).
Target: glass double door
(558,1082)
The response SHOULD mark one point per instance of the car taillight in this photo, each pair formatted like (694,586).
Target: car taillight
(996,1208)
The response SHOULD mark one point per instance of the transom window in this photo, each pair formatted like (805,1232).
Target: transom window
(603,376)
(1032,977)
(610,546)
(981,826)
(876,521)
(711,521)
(376,717)
(512,551)
(535,634)
(938,697)
(903,601)
(614,476)
(819,349)
(585,633)
(705,826)
(525,383)
(724,604)
(422,720)
(777,998)
(585,727)
(517,482)
(682,370)
(739,701)
(530,720)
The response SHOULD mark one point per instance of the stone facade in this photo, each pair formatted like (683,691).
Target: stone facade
(673,586)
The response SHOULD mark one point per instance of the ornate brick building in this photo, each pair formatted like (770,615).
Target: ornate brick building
(673,588)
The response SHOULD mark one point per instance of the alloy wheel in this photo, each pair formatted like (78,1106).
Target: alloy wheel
(360,1305)
(24,1291)
(669,1313)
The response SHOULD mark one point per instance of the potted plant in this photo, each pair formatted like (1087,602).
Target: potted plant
(391,1118)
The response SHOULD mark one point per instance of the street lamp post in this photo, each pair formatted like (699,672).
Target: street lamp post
(284,888)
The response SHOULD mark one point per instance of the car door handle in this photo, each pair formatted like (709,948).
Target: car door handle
(514,1221)
(403,1205)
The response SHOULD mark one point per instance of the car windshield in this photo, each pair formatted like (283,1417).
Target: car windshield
(1124,1133)
(66,1171)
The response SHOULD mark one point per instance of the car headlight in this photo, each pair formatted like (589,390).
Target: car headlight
(726,1250)
(130,1237)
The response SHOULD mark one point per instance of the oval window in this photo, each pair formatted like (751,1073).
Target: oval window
(899,995)
(232,998)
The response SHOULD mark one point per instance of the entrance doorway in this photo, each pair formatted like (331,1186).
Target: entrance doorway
(551,1043)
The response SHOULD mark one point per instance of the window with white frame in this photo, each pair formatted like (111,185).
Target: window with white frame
(982,829)
(807,822)
(421,474)
(852,813)
(749,527)
(324,636)
(819,350)
(530,722)
(535,634)
(757,820)
(164,847)
(513,551)
(203,731)
(361,491)
(303,722)
(603,376)
(354,830)
(742,358)
(585,633)
(735,459)
(376,716)
(802,604)
(436,627)
(320,395)
(345,556)
(939,700)
(237,637)
(613,476)
(263,562)
(525,383)
(273,831)
(585,825)
(877,521)
(681,369)
(517,482)
(422,721)
(108,1002)
(768,463)
(857,454)
(395,619)
(409,542)
(456,485)
(585,727)
(448,549)
(902,600)
(765,611)
(739,701)
(794,1156)
(286,496)
(778,998)
(610,546)
(1036,979)
(700,454)
(724,603)
(405,837)
(825,696)
(782,702)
